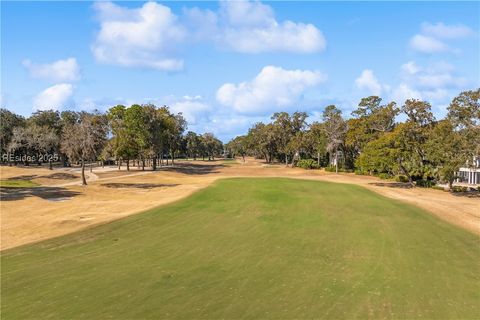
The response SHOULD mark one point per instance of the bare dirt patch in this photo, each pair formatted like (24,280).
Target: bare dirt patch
(61,205)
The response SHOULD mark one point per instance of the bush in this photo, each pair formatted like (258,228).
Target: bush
(361,172)
(383,175)
(459,189)
(424,183)
(307,164)
(332,169)
(401,178)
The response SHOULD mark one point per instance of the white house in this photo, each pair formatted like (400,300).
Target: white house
(470,174)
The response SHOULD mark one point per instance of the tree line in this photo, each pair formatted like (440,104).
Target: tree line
(420,149)
(143,134)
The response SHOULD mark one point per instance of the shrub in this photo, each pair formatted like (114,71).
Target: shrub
(459,189)
(307,164)
(361,172)
(332,169)
(383,175)
(401,178)
(424,183)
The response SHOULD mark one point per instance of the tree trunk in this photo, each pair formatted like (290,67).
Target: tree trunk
(143,164)
(243,157)
(90,166)
(154,163)
(336,161)
(128,164)
(50,164)
(405,172)
(450,184)
(84,181)
(286,160)
(119,161)
(172,154)
(318,158)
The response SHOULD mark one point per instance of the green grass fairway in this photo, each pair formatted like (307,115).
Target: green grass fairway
(253,249)
(18,184)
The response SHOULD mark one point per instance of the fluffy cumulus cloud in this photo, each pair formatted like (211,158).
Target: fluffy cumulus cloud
(58,71)
(436,82)
(367,80)
(403,92)
(437,75)
(144,37)
(251,27)
(194,109)
(432,37)
(427,44)
(272,89)
(151,35)
(54,97)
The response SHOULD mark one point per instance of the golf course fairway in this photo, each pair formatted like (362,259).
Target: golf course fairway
(253,248)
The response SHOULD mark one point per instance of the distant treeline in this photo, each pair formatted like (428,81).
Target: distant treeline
(421,149)
(144,133)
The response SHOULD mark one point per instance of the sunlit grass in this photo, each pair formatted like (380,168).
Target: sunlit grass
(253,249)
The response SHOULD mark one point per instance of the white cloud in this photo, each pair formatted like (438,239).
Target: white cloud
(58,71)
(202,24)
(271,89)
(439,75)
(367,80)
(404,92)
(144,37)
(151,36)
(410,68)
(436,82)
(427,44)
(441,30)
(54,97)
(428,40)
(192,108)
(247,13)
(251,27)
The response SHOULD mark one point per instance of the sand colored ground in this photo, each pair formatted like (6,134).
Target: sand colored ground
(63,206)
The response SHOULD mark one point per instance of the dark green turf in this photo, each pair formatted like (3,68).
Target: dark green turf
(253,249)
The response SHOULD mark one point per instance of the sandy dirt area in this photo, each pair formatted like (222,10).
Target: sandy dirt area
(61,205)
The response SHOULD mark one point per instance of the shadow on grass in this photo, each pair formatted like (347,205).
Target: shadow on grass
(55,176)
(139,185)
(470,194)
(47,193)
(193,168)
(400,185)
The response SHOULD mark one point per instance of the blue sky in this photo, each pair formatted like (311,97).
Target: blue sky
(226,65)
